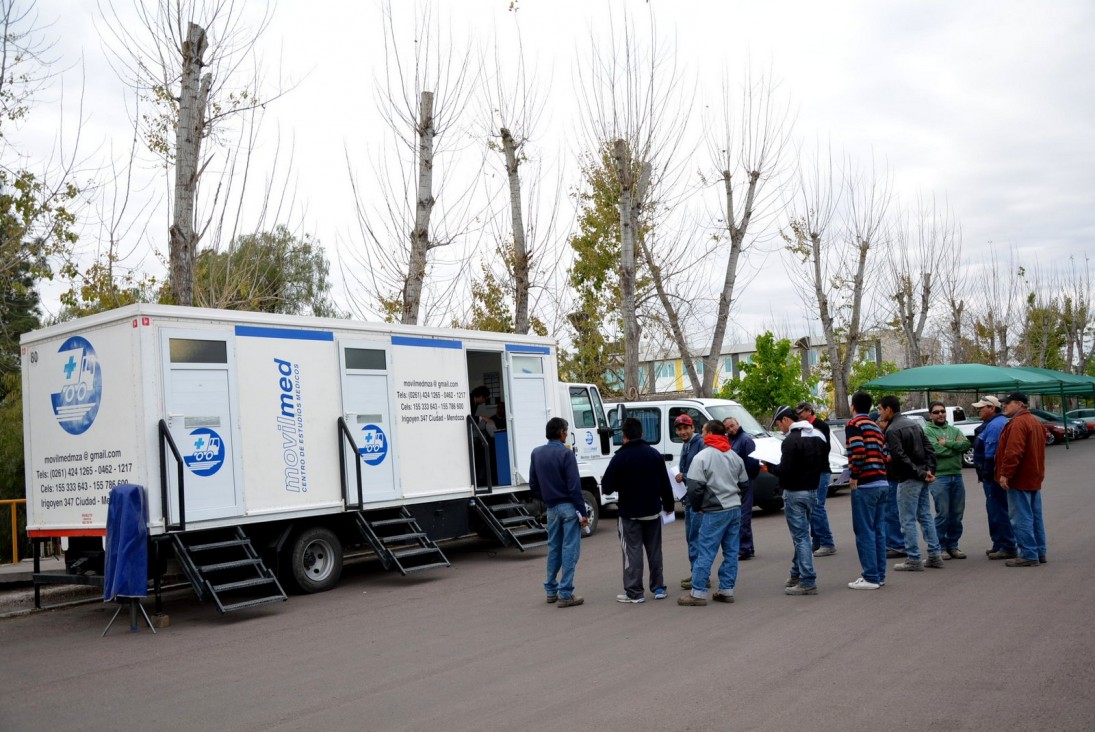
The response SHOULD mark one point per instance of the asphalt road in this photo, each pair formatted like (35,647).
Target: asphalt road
(973,646)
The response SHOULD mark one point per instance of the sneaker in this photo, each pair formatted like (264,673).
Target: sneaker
(1020,562)
(800,590)
(895,553)
(825,551)
(1002,554)
(908,566)
(935,562)
(791,581)
(632,600)
(552,598)
(572,601)
(956,553)
(945,554)
(862,584)
(660,594)
(690,601)
(1042,559)
(723,597)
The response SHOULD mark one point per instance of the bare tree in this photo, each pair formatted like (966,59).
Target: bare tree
(631,99)
(921,260)
(1078,317)
(421,98)
(996,306)
(188,58)
(839,264)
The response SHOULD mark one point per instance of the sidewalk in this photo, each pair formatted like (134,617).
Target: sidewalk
(23,572)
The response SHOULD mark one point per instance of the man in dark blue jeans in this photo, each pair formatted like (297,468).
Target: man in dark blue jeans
(553,478)
(867,457)
(984,462)
(820,534)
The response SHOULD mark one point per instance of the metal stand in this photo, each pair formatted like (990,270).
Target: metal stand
(134,603)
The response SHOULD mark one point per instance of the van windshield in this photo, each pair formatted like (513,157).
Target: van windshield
(750,425)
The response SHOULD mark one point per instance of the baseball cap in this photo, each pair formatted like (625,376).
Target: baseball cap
(1016,396)
(683,419)
(987,401)
(803,405)
(784,412)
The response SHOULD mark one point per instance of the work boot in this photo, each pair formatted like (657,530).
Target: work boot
(935,562)
(909,566)
(1002,554)
(800,590)
(1020,562)
(791,581)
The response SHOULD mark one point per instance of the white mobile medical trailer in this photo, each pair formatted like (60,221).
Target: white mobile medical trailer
(280,439)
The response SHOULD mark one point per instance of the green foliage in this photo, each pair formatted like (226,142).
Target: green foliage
(773,377)
(271,272)
(865,370)
(492,299)
(1043,339)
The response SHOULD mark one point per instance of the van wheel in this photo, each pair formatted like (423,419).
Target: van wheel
(593,509)
(315,560)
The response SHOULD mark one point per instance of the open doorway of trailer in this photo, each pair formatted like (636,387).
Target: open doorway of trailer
(488,408)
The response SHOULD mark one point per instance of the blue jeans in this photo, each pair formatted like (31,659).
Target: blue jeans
(691,533)
(949,494)
(717,529)
(914,507)
(895,539)
(996,506)
(746,548)
(564,546)
(1025,512)
(869,523)
(819,521)
(798,507)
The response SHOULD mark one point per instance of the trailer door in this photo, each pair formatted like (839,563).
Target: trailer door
(200,402)
(529,408)
(366,407)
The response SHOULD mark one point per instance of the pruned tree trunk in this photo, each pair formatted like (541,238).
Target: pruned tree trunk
(183,239)
(420,236)
(628,234)
(521,264)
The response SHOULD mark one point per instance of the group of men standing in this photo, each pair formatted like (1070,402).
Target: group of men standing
(897,466)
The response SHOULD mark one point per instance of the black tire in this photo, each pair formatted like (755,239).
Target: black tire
(967,458)
(1051,439)
(315,560)
(593,508)
(767,495)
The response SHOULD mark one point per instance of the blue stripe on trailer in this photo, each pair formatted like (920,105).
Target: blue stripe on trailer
(293,334)
(527,349)
(425,342)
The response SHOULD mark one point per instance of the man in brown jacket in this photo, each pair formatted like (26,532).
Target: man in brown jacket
(1020,470)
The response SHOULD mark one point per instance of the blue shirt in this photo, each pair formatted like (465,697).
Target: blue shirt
(553,476)
(990,436)
(690,450)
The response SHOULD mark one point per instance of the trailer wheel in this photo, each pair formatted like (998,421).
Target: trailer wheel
(315,560)
(593,510)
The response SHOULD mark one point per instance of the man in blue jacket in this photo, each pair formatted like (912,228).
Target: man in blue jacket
(692,444)
(638,476)
(984,462)
(553,478)
(742,443)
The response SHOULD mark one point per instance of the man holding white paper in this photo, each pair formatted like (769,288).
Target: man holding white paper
(637,475)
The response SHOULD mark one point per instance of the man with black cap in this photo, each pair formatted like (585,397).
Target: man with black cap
(692,443)
(820,534)
(1020,470)
(984,462)
(799,472)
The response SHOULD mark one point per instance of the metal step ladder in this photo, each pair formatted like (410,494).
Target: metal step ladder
(510,521)
(222,566)
(399,541)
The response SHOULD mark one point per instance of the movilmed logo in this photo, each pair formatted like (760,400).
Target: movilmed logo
(374,445)
(206,452)
(77,401)
(589,438)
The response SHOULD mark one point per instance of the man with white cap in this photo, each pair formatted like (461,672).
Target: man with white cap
(984,462)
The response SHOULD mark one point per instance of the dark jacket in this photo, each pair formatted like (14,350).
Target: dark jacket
(800,461)
(743,444)
(823,427)
(689,450)
(637,473)
(553,476)
(911,453)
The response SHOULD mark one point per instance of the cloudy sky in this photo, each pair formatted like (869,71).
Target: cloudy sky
(989,104)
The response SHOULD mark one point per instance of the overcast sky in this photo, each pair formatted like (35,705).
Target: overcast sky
(988,104)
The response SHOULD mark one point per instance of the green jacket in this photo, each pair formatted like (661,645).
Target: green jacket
(948,457)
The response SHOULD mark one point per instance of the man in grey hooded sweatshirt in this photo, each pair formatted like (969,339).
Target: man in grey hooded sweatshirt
(716,480)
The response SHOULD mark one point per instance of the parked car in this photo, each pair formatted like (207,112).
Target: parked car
(1079,426)
(957,417)
(1087,414)
(1055,433)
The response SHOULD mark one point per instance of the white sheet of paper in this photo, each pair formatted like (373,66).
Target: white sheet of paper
(679,489)
(668,518)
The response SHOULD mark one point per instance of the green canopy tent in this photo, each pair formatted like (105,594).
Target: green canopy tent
(980,378)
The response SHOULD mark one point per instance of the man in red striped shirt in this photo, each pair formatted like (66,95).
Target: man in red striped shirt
(867,458)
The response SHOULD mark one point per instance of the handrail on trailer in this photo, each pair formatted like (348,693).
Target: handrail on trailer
(476,434)
(346,436)
(12,503)
(166,439)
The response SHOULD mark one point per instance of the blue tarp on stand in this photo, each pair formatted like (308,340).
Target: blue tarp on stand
(126,543)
